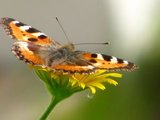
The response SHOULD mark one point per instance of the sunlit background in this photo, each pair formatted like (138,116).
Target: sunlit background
(133,29)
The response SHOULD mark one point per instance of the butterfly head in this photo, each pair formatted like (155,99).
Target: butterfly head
(69,47)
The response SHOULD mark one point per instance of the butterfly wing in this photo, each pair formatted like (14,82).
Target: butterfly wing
(75,66)
(22,32)
(84,62)
(110,63)
(28,52)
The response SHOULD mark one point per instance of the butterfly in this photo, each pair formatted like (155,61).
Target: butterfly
(38,49)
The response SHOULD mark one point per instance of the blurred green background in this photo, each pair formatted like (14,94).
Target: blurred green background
(133,29)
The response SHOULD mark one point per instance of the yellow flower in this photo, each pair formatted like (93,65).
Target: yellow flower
(93,81)
(80,81)
(62,85)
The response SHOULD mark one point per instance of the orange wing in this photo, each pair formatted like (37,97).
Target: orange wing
(74,68)
(20,31)
(110,63)
(27,52)
(84,62)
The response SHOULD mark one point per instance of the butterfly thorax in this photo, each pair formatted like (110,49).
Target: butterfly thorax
(58,56)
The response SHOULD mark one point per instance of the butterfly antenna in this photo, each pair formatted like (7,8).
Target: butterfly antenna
(62,29)
(106,43)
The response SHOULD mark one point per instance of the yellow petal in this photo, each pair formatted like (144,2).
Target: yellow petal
(98,85)
(93,90)
(82,85)
(73,82)
(113,75)
(111,81)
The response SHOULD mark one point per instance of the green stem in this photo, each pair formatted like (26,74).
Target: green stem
(52,104)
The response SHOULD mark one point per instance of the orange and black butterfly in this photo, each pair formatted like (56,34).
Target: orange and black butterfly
(36,48)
